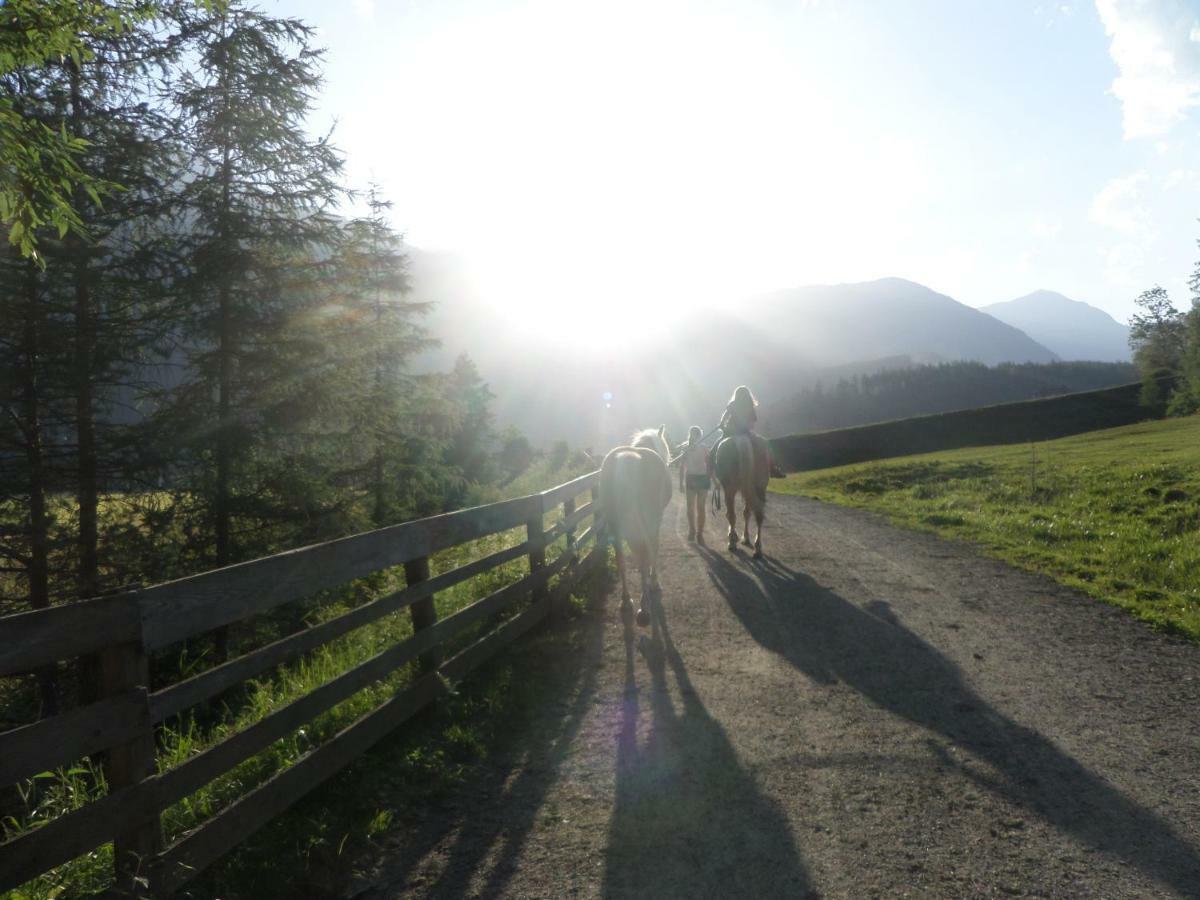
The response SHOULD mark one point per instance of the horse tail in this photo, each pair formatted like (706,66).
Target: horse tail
(622,495)
(745,463)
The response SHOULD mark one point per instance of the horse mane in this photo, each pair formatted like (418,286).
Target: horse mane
(652,439)
(647,437)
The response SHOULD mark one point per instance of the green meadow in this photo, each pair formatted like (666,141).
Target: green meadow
(1114,513)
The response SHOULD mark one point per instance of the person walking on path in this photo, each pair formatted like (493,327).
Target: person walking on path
(695,479)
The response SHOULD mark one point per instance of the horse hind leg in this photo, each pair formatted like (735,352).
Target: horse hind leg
(652,556)
(731,517)
(644,569)
(746,520)
(626,601)
(758,520)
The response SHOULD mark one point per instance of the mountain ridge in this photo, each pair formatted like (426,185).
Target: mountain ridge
(1071,328)
(776,342)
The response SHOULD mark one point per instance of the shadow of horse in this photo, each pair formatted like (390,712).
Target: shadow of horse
(689,821)
(869,649)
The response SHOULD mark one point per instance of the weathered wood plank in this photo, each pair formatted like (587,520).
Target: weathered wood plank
(32,639)
(240,820)
(61,740)
(191,606)
(190,776)
(579,514)
(556,495)
(236,823)
(68,836)
(567,524)
(137,837)
(535,535)
(584,536)
(178,697)
(424,613)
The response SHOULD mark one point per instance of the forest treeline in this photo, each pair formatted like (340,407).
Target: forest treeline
(900,393)
(203,357)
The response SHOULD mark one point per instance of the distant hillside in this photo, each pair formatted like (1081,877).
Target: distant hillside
(835,324)
(900,392)
(1072,329)
(554,389)
(1007,423)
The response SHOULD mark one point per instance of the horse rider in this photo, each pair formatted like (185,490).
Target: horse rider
(740,412)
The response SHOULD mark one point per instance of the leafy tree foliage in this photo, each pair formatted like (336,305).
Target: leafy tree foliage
(1158,335)
(516,453)
(1156,332)
(379,333)
(40,167)
(470,450)
(1187,398)
(209,363)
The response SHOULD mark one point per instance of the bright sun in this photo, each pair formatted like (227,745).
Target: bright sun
(599,172)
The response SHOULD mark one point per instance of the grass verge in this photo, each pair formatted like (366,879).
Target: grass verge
(1114,513)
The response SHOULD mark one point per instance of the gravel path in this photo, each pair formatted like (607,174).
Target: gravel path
(866,712)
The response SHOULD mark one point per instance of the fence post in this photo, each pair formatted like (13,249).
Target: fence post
(568,511)
(424,613)
(535,534)
(137,841)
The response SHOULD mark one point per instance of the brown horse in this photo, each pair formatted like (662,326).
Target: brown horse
(744,467)
(635,489)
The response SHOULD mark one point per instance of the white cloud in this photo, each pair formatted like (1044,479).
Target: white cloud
(1182,179)
(1156,46)
(1123,266)
(365,8)
(1119,206)
(1045,229)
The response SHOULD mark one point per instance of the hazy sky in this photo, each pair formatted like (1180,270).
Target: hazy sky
(659,154)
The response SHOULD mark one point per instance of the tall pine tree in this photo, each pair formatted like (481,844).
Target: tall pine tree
(257,203)
(381,333)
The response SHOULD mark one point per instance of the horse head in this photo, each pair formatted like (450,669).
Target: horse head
(650,439)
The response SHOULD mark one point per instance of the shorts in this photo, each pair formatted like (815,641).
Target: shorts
(698,482)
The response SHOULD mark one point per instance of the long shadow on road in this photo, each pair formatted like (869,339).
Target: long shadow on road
(689,821)
(829,639)
(481,838)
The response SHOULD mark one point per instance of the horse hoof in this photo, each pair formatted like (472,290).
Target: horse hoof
(643,618)
(626,603)
(758,554)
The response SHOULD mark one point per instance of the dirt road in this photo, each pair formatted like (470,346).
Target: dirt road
(866,712)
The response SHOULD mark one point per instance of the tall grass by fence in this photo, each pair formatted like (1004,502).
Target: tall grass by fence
(1005,423)
(123,725)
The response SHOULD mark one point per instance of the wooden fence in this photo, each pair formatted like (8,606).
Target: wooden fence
(124,630)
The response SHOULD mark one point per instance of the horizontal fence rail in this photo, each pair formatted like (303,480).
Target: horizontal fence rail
(124,630)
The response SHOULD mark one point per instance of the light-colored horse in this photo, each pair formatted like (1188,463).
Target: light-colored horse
(743,467)
(635,489)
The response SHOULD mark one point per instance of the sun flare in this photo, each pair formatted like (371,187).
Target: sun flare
(653,171)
